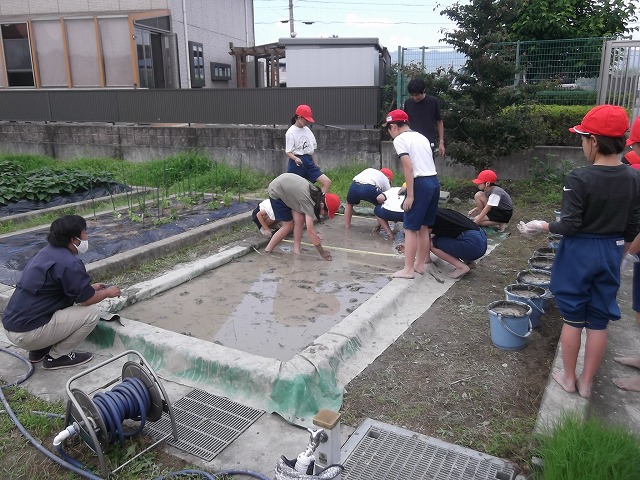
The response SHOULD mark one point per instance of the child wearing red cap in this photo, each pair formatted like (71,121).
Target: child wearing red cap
(633,383)
(296,203)
(423,192)
(366,185)
(300,147)
(600,218)
(493,205)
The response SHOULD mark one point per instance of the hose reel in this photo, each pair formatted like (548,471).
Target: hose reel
(138,398)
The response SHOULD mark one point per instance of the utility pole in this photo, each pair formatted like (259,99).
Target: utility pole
(292,31)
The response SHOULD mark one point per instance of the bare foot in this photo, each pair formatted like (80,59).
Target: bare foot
(568,385)
(630,361)
(628,383)
(459,272)
(419,269)
(434,272)
(583,389)
(403,274)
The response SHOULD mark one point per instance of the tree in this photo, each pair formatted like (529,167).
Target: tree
(480,127)
(587,20)
(558,19)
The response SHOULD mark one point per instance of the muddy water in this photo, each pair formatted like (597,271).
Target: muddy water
(275,305)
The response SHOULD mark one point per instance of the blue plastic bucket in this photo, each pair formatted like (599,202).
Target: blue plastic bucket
(531,295)
(510,324)
(554,240)
(545,252)
(547,300)
(540,263)
(535,276)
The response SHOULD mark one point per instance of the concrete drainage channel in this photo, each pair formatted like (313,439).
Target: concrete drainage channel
(314,377)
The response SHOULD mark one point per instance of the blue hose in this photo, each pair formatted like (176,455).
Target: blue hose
(118,403)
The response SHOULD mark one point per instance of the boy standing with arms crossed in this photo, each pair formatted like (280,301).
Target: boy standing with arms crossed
(423,192)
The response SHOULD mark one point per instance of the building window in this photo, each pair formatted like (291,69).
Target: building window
(17,54)
(196,64)
(220,71)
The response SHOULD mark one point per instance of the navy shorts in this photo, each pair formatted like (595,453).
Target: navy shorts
(307,170)
(585,278)
(468,246)
(362,191)
(281,211)
(389,215)
(426,194)
(636,287)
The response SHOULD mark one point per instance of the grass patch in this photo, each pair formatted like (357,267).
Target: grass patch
(19,459)
(588,449)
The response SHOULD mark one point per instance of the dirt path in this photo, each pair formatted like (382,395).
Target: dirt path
(444,378)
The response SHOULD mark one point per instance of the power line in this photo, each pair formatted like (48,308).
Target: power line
(362,22)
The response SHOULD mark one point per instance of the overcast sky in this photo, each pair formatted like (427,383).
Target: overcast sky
(406,23)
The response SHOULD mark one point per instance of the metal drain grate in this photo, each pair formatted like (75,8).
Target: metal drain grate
(385,452)
(206,423)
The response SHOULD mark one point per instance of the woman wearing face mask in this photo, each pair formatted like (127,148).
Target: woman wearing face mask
(49,313)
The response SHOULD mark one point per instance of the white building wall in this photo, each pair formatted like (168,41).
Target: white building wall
(332,66)
(230,21)
(34,7)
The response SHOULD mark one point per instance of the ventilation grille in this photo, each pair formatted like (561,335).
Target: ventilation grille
(206,423)
(382,454)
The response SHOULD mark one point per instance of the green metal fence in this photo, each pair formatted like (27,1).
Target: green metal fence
(569,68)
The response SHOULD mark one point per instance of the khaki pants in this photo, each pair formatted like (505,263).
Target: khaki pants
(64,332)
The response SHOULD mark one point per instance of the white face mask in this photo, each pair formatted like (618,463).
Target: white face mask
(83,247)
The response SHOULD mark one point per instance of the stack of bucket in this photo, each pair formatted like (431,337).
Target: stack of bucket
(512,320)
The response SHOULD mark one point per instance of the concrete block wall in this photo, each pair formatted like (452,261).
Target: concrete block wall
(258,148)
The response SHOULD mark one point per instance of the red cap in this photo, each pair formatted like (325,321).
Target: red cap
(634,136)
(387,173)
(633,158)
(396,116)
(304,111)
(332,201)
(486,176)
(606,120)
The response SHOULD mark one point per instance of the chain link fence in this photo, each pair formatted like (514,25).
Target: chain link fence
(568,68)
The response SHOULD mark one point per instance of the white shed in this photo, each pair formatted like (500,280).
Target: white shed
(335,62)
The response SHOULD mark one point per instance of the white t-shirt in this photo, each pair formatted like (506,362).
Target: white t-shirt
(266,206)
(373,176)
(418,148)
(393,203)
(300,141)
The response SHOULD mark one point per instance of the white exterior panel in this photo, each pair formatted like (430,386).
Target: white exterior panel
(332,62)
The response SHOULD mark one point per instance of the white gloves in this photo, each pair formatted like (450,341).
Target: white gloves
(531,228)
(628,260)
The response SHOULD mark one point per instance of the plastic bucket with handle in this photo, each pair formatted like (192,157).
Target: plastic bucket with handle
(531,295)
(510,324)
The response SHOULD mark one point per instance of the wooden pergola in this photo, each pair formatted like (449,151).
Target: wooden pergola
(273,52)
